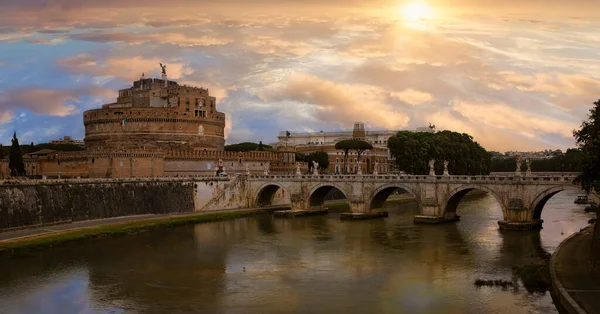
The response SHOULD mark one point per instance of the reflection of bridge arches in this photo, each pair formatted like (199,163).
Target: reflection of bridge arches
(541,200)
(451,204)
(317,195)
(266,193)
(380,196)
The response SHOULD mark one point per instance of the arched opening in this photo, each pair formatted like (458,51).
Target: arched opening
(328,197)
(561,198)
(541,202)
(560,214)
(476,202)
(391,195)
(272,195)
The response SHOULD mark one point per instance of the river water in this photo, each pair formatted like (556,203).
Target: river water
(301,265)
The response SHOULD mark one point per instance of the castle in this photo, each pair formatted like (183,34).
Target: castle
(156,128)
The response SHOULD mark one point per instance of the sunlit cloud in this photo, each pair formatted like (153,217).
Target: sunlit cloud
(515,75)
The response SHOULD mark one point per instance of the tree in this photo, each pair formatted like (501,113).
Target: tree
(321,157)
(1,151)
(588,141)
(413,150)
(15,162)
(247,147)
(347,145)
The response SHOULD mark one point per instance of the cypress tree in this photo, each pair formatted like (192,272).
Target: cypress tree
(15,162)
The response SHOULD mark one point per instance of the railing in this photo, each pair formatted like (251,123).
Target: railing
(423,178)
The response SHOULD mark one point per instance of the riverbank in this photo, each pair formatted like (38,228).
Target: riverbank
(20,242)
(575,288)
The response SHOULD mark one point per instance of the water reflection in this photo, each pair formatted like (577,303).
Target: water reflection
(303,265)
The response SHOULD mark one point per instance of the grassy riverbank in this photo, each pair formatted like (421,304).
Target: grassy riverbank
(20,246)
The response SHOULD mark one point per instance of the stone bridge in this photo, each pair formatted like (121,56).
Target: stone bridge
(522,198)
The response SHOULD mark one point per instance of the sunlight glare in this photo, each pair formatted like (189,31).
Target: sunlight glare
(416,10)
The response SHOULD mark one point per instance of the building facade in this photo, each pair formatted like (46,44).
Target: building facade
(377,160)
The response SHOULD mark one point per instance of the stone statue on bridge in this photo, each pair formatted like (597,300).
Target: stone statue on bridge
(528,163)
(519,161)
(375,170)
(315,168)
(266,171)
(359,168)
(446,173)
(298,171)
(431,167)
(248,169)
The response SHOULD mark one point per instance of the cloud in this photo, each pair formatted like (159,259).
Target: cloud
(504,117)
(42,101)
(342,104)
(413,97)
(125,68)
(274,65)
(175,38)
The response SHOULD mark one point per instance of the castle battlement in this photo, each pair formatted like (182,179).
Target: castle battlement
(226,156)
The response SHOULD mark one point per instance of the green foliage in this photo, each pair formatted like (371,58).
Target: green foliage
(346,145)
(353,144)
(247,147)
(413,150)
(588,141)
(15,163)
(300,157)
(26,149)
(568,162)
(321,157)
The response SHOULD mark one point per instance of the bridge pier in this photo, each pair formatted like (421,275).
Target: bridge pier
(520,226)
(359,210)
(519,217)
(433,220)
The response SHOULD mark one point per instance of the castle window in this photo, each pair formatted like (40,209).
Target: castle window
(187,101)
(200,113)
(196,102)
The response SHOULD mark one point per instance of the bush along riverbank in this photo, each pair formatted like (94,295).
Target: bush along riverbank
(23,246)
(535,277)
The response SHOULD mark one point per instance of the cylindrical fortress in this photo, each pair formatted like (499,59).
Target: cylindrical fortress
(155,115)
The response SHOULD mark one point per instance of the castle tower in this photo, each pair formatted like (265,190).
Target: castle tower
(359,130)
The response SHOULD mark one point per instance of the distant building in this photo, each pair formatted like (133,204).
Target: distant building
(68,140)
(309,142)
(545,154)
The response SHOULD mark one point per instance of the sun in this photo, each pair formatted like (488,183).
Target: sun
(416,10)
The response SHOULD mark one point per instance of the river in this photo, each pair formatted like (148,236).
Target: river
(301,265)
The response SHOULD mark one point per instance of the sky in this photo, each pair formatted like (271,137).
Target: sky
(516,75)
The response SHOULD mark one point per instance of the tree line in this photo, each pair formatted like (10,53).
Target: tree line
(413,150)
(571,161)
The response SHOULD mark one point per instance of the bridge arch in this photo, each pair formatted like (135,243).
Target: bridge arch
(381,194)
(542,198)
(266,193)
(455,196)
(316,197)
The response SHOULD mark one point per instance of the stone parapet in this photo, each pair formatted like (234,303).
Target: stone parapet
(224,155)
